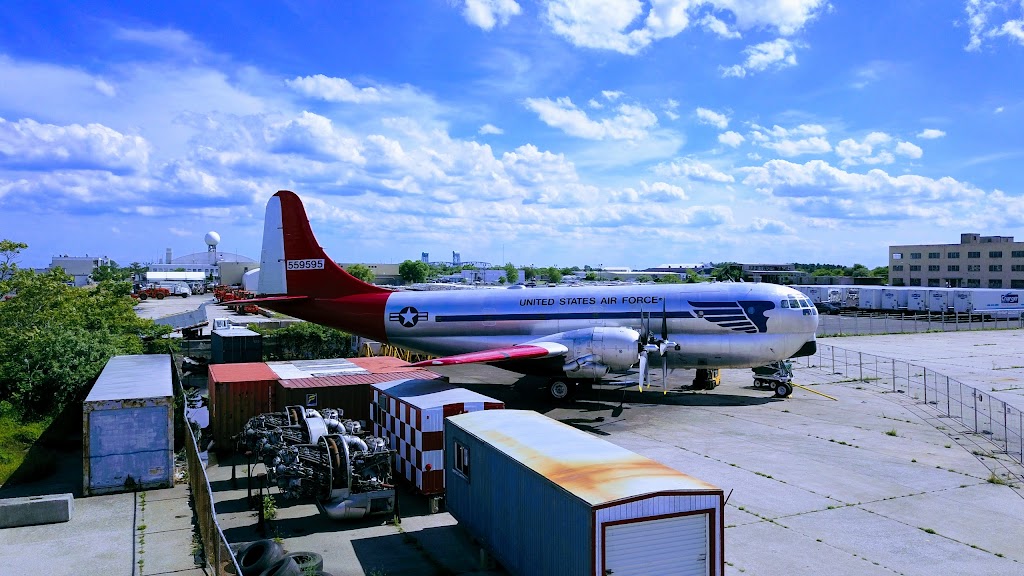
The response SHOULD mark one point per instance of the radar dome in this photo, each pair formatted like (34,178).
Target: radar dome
(212,238)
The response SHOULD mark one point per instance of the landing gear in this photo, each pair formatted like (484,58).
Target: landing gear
(559,389)
(707,379)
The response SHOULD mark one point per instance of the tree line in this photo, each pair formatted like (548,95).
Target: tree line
(56,338)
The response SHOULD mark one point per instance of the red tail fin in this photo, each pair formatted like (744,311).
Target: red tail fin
(293,262)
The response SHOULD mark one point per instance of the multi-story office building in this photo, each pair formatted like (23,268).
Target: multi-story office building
(976,262)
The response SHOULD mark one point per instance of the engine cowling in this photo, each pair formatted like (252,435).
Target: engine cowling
(594,352)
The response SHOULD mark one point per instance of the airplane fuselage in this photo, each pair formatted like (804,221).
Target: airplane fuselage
(714,325)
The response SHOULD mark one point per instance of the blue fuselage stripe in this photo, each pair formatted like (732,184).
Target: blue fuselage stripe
(555,316)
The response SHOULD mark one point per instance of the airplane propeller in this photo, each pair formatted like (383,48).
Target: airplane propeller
(648,344)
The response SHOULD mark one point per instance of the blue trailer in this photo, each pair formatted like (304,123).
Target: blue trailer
(545,498)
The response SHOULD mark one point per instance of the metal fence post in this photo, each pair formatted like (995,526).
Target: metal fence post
(1006,435)
(860,364)
(947,397)
(974,394)
(833,349)
(925,382)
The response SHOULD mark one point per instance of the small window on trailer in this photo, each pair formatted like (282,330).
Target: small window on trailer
(462,460)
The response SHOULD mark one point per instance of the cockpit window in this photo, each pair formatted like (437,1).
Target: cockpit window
(785,303)
(794,303)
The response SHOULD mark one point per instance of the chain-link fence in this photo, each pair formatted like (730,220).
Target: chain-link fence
(849,323)
(215,546)
(977,410)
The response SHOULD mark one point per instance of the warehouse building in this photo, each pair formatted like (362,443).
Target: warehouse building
(976,262)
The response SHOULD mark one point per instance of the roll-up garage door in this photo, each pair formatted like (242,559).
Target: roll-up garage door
(676,546)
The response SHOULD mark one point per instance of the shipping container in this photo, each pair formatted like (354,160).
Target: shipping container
(870,299)
(338,382)
(939,300)
(546,498)
(996,303)
(234,345)
(917,300)
(128,426)
(237,393)
(894,299)
(410,413)
(962,301)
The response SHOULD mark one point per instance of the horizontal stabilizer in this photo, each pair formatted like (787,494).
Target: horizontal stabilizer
(525,351)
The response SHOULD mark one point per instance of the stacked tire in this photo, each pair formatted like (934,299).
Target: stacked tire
(268,558)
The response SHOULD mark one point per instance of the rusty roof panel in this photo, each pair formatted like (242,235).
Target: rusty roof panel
(595,470)
(381,364)
(242,372)
(353,379)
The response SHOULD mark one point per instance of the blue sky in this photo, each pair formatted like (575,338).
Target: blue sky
(559,132)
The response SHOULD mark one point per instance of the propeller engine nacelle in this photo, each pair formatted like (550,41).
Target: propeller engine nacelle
(594,352)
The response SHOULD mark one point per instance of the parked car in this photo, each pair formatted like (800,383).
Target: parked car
(827,308)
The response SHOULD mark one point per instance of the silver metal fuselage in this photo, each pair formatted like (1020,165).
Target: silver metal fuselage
(715,325)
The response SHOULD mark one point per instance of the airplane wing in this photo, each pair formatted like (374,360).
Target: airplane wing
(264,299)
(518,352)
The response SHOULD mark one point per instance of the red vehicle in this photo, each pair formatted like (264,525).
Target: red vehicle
(158,293)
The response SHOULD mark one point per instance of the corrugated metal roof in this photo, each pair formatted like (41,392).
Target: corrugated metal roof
(434,393)
(350,379)
(379,364)
(593,469)
(130,377)
(288,369)
(241,372)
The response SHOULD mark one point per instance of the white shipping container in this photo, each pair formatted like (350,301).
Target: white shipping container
(997,303)
(870,299)
(962,301)
(128,426)
(938,300)
(917,300)
(894,299)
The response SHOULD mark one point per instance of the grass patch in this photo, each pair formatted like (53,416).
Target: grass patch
(16,441)
(994,479)
(928,530)
(891,432)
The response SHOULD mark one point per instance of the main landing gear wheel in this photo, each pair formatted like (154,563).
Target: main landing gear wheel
(783,390)
(559,389)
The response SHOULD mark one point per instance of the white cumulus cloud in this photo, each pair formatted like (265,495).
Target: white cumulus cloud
(692,169)
(908,149)
(629,26)
(804,139)
(821,190)
(490,129)
(931,134)
(706,116)
(28,144)
(770,226)
(334,89)
(486,13)
(731,138)
(985,19)
(776,55)
(631,123)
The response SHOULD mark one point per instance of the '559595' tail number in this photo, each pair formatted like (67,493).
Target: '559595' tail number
(307,264)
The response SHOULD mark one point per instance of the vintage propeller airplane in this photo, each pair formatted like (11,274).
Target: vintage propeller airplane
(570,335)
